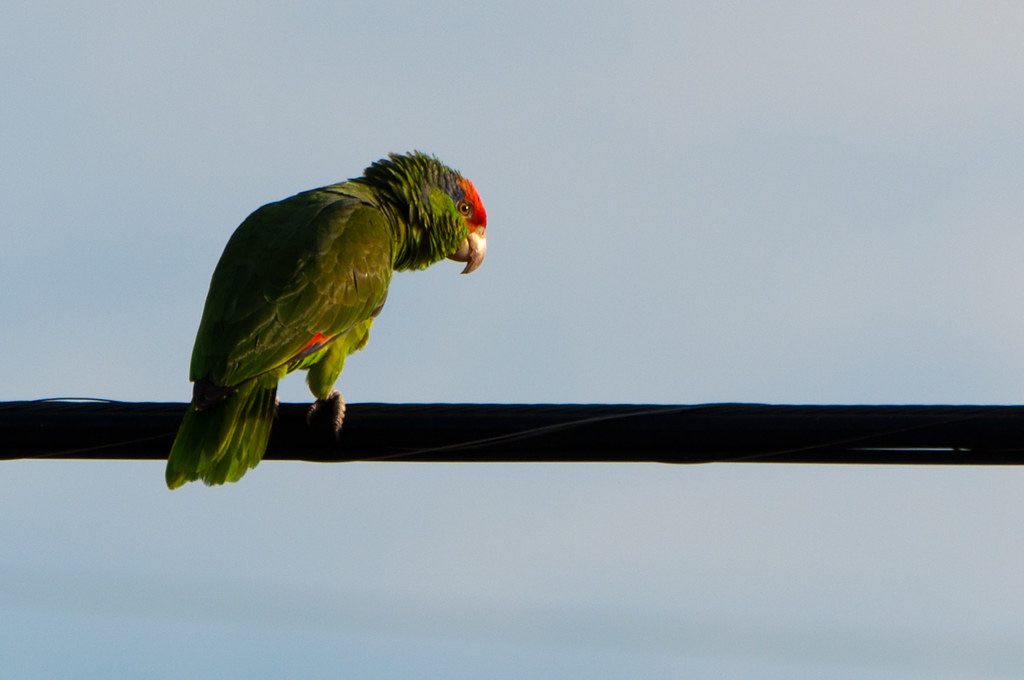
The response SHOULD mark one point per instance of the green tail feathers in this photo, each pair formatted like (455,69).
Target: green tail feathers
(221,442)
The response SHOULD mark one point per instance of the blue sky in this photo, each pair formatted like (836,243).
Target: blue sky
(786,203)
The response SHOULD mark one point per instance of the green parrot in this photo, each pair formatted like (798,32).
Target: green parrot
(298,286)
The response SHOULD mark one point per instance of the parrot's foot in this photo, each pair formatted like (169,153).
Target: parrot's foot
(333,408)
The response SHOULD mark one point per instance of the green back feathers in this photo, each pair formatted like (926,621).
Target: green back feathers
(318,262)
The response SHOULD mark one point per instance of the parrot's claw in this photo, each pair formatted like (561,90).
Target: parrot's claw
(333,407)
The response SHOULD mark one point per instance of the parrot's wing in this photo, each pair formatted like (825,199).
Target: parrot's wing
(295,273)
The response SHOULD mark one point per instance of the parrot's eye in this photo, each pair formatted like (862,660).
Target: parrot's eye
(465,209)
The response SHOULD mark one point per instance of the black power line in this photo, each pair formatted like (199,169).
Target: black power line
(963,435)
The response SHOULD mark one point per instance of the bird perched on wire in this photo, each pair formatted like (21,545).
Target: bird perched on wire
(298,287)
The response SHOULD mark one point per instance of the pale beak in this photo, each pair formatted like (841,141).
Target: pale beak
(471,251)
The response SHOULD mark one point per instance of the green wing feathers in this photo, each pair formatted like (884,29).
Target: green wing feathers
(317,263)
(220,442)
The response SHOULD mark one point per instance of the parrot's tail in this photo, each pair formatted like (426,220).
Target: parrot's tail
(220,442)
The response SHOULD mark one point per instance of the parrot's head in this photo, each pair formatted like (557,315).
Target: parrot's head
(440,211)
(471,208)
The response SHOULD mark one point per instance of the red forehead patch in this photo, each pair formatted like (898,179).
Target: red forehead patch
(479,216)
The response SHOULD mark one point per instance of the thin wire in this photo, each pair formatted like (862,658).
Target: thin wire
(861,438)
(530,433)
(87,449)
(98,400)
(64,453)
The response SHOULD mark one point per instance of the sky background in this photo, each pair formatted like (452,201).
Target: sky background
(789,202)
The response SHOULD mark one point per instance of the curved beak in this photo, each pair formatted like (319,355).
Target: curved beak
(471,251)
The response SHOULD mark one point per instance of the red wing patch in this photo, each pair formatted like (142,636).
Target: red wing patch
(314,343)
